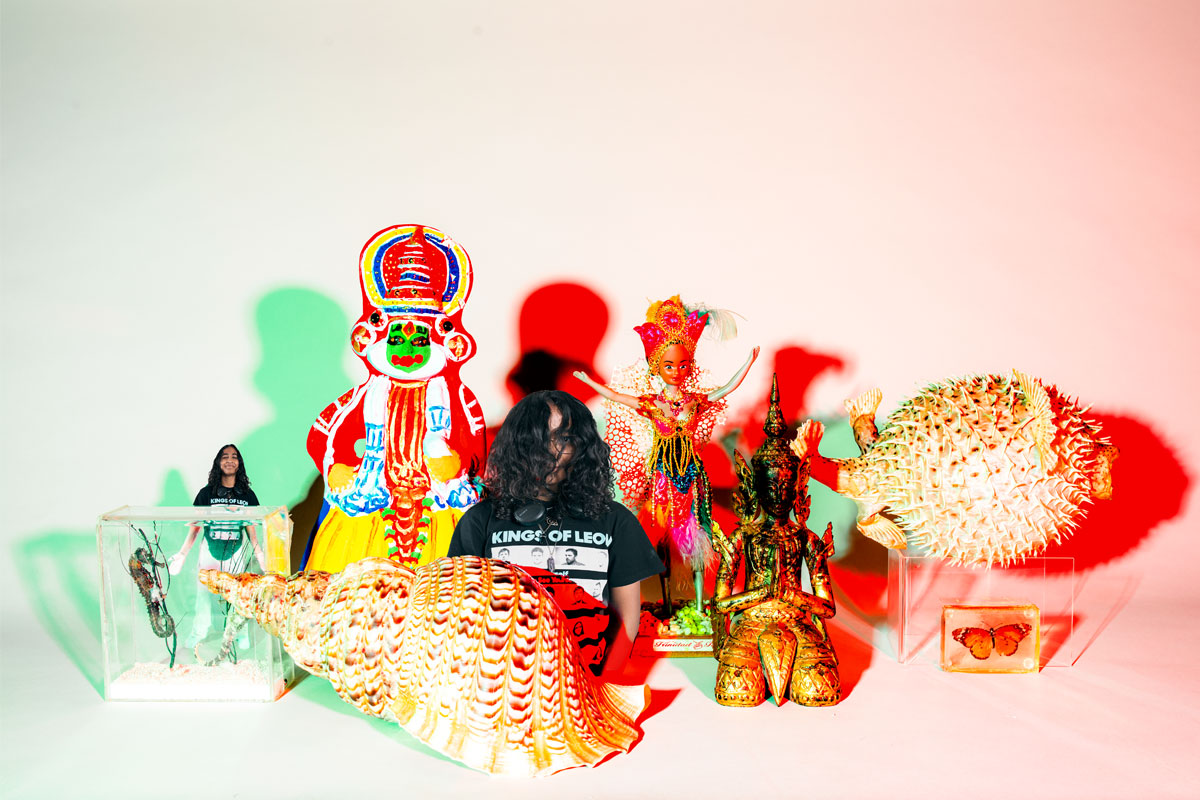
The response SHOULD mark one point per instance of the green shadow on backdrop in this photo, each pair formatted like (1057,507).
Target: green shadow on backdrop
(303,336)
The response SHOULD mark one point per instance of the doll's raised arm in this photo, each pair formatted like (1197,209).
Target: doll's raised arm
(736,380)
(607,393)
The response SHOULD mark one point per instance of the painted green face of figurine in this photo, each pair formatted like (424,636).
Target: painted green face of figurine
(408,345)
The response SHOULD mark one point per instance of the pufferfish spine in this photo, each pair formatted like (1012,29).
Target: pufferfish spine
(982,470)
(471,656)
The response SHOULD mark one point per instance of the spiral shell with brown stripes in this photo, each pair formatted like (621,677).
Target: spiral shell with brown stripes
(471,656)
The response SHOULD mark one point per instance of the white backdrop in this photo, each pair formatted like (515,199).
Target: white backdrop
(921,189)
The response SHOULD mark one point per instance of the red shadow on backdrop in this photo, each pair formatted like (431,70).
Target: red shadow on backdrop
(796,370)
(854,656)
(1149,484)
(559,330)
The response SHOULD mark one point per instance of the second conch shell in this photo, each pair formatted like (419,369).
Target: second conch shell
(471,656)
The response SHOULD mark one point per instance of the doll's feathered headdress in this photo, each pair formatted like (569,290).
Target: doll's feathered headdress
(670,322)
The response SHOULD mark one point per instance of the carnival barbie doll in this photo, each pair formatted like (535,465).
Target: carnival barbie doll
(657,425)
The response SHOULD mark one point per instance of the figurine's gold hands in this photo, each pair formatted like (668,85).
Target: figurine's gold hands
(823,608)
(807,439)
(745,498)
(340,477)
(723,545)
(804,601)
(822,469)
(821,547)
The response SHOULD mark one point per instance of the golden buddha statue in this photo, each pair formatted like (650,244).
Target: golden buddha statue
(772,634)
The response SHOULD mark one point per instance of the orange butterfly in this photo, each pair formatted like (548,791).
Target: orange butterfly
(980,641)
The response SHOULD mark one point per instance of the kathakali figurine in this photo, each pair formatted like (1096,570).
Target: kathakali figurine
(400,451)
(772,634)
(658,417)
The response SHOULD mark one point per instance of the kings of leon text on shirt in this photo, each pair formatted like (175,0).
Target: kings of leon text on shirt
(554,535)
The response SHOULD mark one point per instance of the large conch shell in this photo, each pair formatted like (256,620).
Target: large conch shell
(471,656)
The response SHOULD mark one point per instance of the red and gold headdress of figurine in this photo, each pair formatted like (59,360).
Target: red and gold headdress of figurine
(668,323)
(418,274)
(415,269)
(424,434)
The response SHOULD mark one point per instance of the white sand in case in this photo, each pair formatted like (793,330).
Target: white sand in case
(242,681)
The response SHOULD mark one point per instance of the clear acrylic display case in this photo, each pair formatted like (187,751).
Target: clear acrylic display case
(919,588)
(166,637)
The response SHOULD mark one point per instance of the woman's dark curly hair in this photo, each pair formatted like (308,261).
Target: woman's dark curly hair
(240,482)
(523,455)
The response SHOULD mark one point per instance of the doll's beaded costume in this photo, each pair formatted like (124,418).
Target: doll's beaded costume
(655,452)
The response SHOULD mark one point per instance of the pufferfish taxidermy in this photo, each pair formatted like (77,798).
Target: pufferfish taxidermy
(979,470)
(471,656)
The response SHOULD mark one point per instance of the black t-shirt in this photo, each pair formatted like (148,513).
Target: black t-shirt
(595,554)
(225,496)
(577,561)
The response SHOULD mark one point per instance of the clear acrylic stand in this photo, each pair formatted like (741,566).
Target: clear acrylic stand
(919,587)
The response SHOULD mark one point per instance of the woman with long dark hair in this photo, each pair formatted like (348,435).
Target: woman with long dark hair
(549,489)
(228,472)
(224,545)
